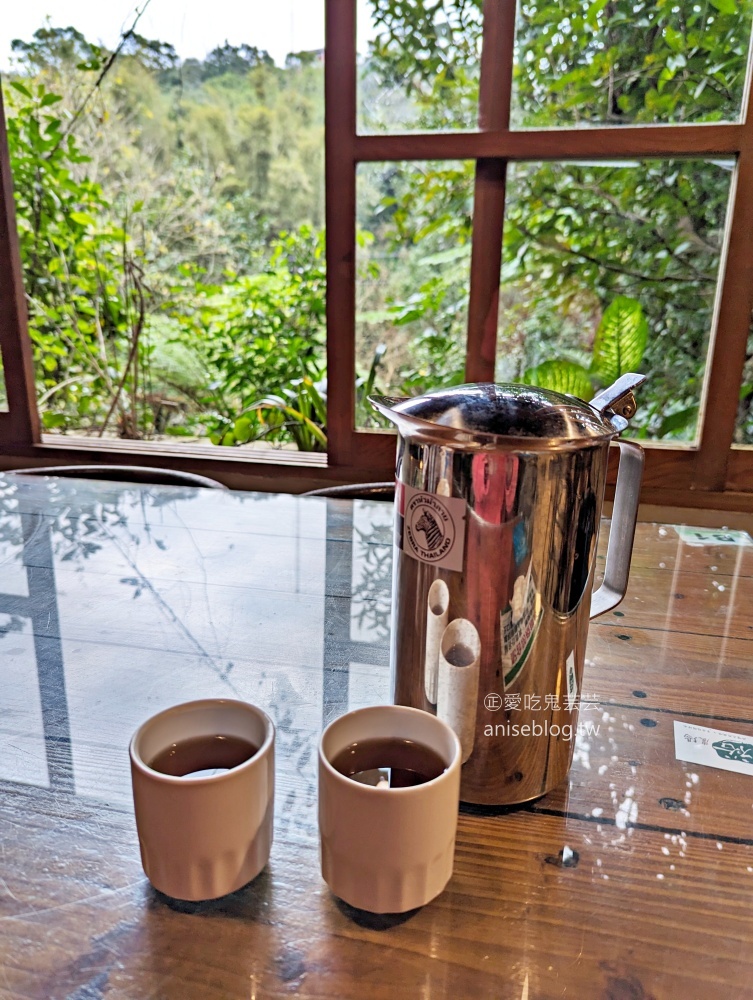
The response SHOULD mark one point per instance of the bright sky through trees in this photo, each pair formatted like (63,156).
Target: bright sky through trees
(194,27)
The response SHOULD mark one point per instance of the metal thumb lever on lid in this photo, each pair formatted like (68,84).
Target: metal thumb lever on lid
(618,399)
(618,404)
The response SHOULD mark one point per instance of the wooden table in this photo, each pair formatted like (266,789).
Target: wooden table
(633,881)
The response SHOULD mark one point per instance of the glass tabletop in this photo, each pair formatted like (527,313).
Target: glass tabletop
(632,879)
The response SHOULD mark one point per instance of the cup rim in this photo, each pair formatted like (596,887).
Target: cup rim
(184,781)
(359,788)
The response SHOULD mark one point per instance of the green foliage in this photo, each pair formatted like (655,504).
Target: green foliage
(171,226)
(415,263)
(438,355)
(131,253)
(51,46)
(579,236)
(561,376)
(301,411)
(651,231)
(366,385)
(238,59)
(419,42)
(430,51)
(619,62)
(618,348)
(264,337)
(620,340)
(84,285)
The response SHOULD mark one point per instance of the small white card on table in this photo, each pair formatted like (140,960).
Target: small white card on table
(712,536)
(714,747)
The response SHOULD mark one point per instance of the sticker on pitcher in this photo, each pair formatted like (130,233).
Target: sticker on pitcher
(434,528)
(519,623)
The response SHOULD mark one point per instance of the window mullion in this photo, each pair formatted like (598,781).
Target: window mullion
(20,426)
(560,144)
(495,89)
(732,320)
(340,213)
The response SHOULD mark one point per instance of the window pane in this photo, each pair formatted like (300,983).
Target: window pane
(172,233)
(624,62)
(3,393)
(613,268)
(414,232)
(418,65)
(744,427)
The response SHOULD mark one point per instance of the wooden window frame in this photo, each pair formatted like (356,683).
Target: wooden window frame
(711,473)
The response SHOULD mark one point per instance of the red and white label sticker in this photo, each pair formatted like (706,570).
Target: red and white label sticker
(519,623)
(434,528)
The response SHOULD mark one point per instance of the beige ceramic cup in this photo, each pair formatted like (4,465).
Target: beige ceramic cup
(388,850)
(204,837)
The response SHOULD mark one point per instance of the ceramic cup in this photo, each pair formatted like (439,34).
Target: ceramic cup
(388,850)
(202,837)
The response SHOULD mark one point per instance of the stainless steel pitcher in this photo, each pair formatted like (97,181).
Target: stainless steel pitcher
(499,491)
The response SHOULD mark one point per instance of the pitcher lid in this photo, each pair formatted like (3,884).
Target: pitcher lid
(485,412)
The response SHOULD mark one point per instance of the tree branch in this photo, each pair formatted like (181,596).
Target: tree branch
(97,83)
(613,268)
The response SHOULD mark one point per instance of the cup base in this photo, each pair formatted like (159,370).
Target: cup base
(208,878)
(387,890)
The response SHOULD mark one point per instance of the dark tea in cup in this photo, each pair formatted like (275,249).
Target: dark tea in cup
(389,761)
(201,756)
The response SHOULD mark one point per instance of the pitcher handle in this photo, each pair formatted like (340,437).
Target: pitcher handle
(621,531)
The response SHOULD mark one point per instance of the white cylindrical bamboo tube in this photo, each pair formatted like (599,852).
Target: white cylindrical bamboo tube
(437,615)
(457,685)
